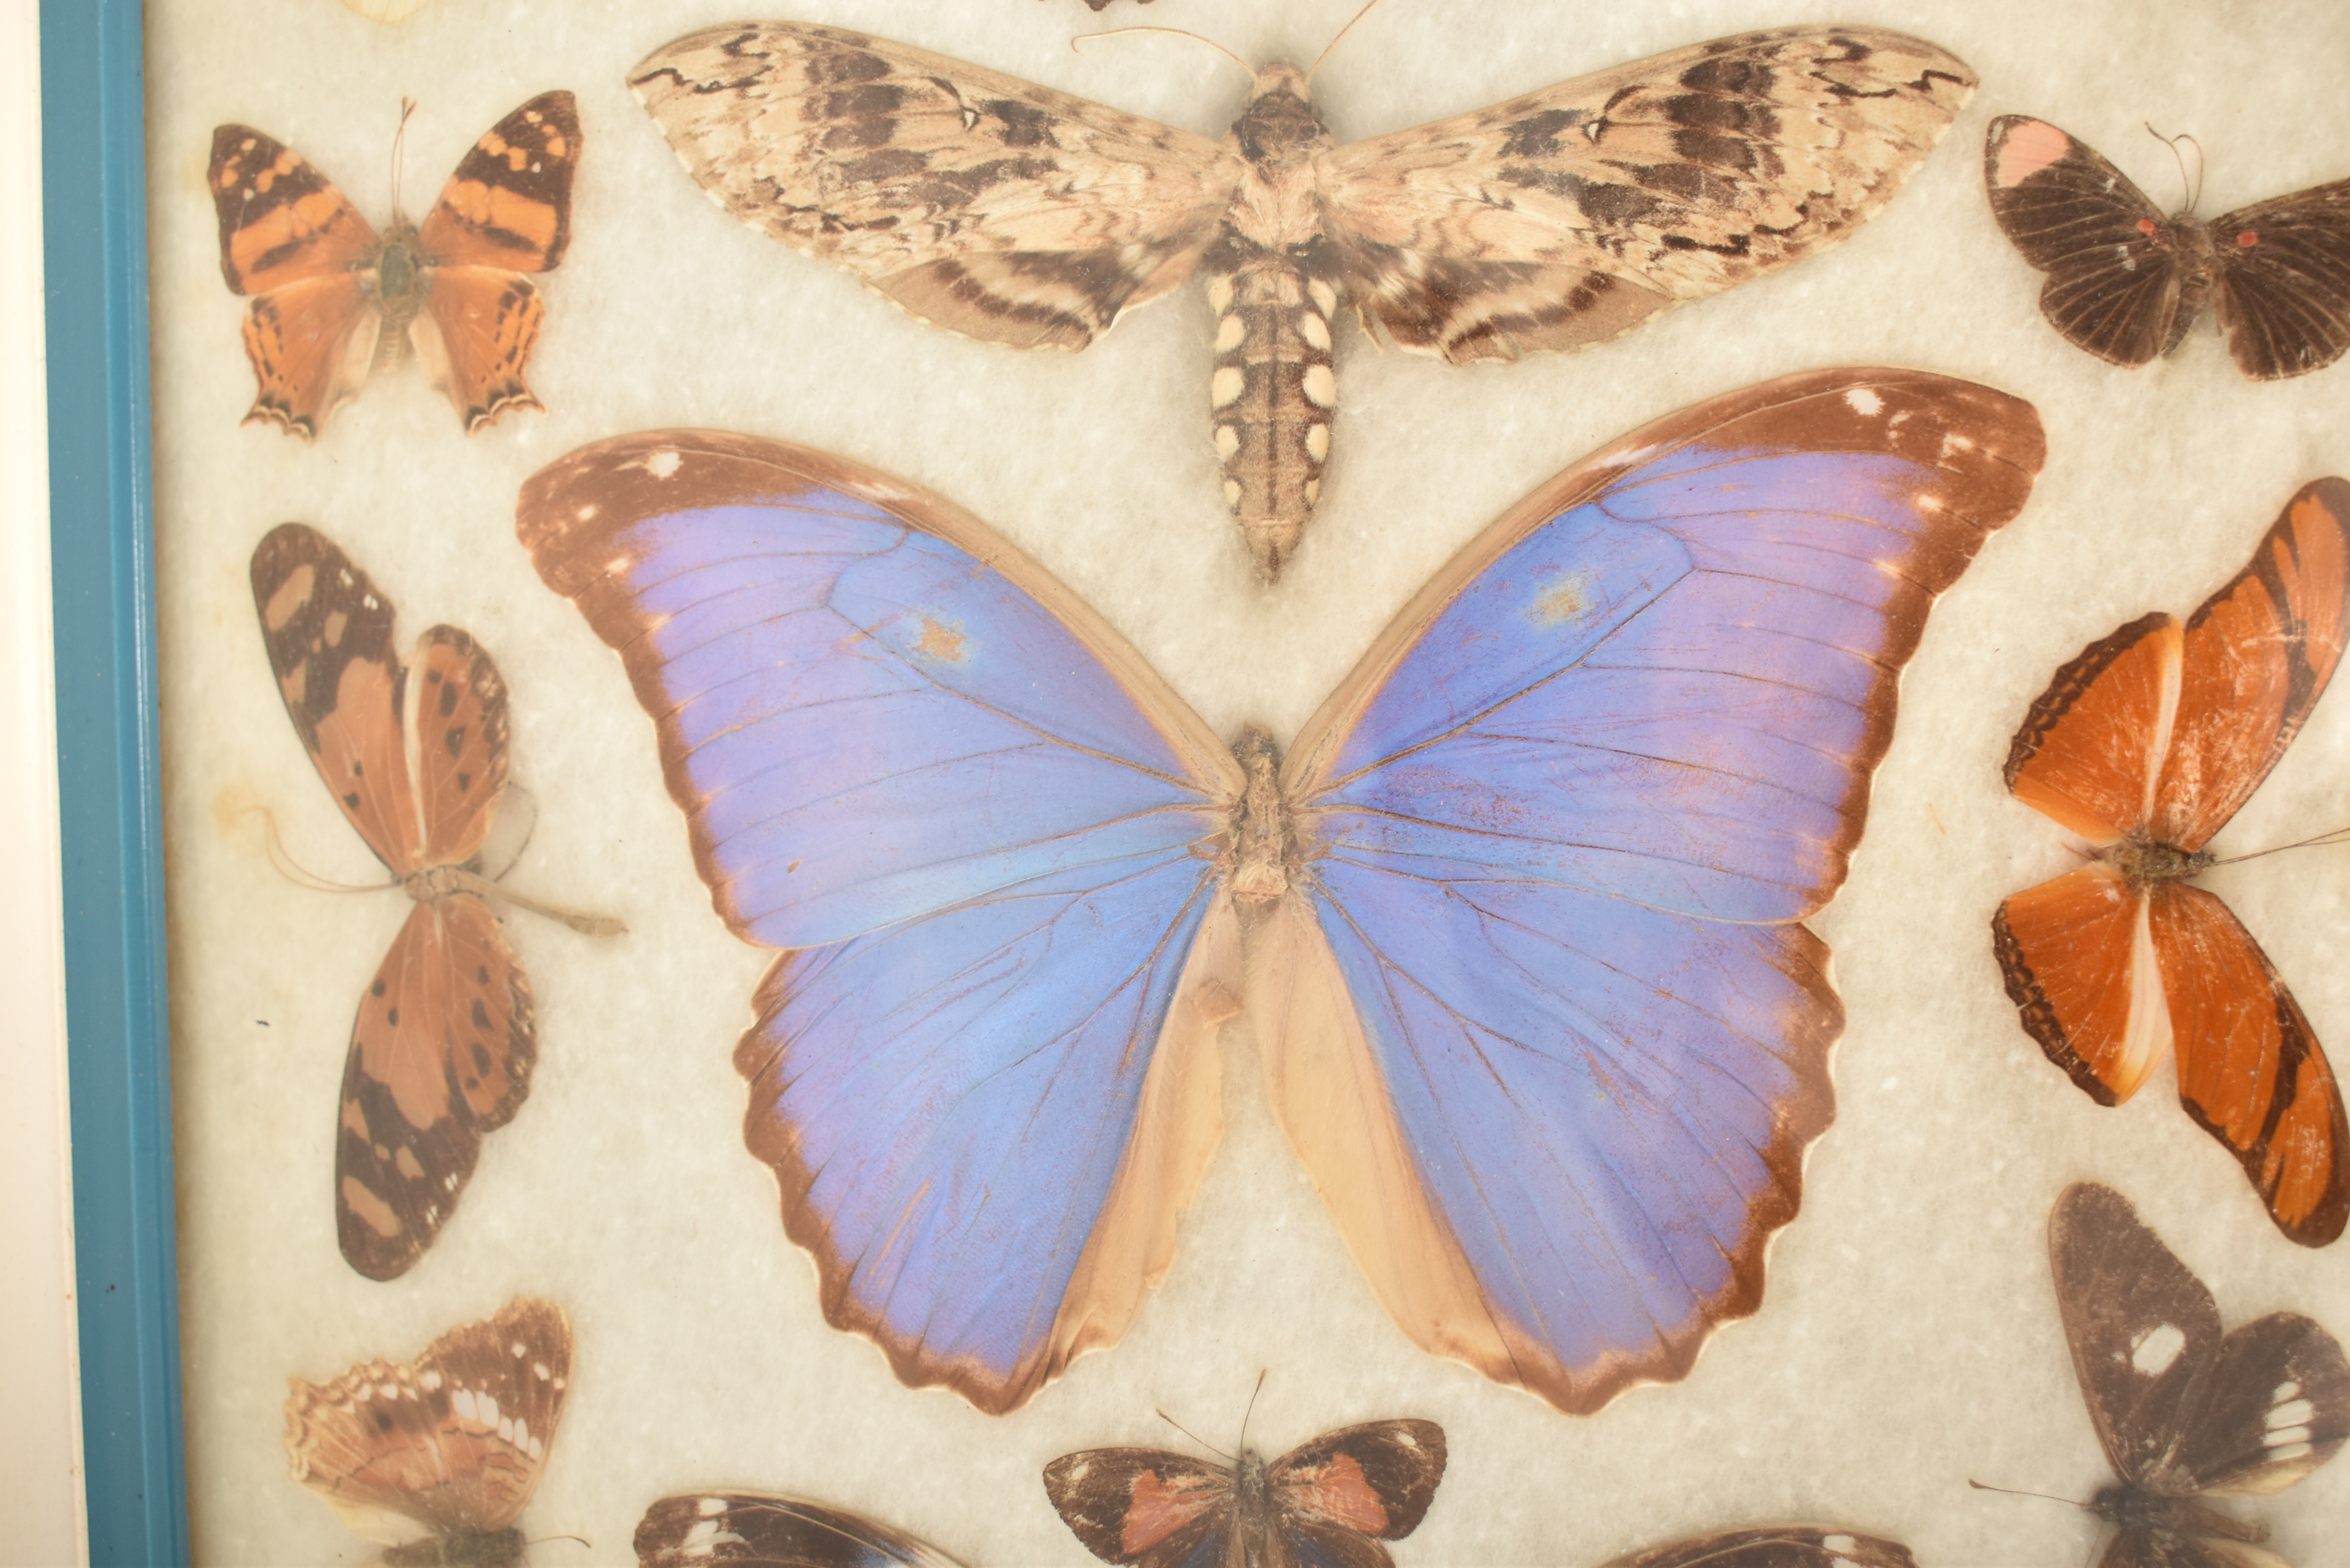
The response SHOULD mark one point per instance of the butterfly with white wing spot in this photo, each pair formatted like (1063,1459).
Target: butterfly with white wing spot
(2181,1410)
(760,1530)
(1775,1546)
(2125,283)
(453,1442)
(1013,214)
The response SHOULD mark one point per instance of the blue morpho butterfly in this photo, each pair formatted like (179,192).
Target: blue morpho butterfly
(1520,904)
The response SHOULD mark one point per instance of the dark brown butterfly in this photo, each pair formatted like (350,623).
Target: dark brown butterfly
(1775,1546)
(453,1443)
(758,1530)
(2125,283)
(1328,1502)
(2181,1408)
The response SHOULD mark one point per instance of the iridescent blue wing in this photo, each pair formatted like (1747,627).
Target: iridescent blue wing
(1544,1026)
(985,833)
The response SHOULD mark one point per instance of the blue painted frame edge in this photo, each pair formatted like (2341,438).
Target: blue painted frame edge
(94,194)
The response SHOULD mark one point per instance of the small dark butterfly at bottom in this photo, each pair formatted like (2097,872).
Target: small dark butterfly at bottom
(437,1458)
(2181,1408)
(2125,283)
(1775,1546)
(760,1530)
(1326,1503)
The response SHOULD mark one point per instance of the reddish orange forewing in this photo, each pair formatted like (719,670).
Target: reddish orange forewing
(442,1047)
(453,1443)
(1337,1496)
(332,302)
(2145,744)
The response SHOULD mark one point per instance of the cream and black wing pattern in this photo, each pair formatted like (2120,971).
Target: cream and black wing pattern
(1012,212)
(982,204)
(1569,216)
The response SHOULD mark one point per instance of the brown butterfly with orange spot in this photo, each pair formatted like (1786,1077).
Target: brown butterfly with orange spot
(332,303)
(445,1041)
(2144,744)
(1331,1501)
(453,1443)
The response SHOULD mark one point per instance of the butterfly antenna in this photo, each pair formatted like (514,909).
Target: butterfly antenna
(1170,32)
(588,925)
(1252,1407)
(399,148)
(294,871)
(2195,186)
(543,1540)
(1333,43)
(2337,836)
(2045,1497)
(1193,1436)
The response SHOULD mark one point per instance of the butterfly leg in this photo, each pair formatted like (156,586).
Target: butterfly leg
(1272,394)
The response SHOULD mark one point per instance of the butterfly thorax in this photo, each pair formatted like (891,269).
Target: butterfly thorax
(2135,1508)
(1272,280)
(1264,842)
(436,882)
(400,287)
(1254,1540)
(490,1549)
(1278,136)
(2145,861)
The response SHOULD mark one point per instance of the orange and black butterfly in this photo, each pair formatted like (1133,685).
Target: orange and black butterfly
(2144,745)
(1332,1499)
(2183,1409)
(2125,282)
(333,302)
(415,754)
(438,1459)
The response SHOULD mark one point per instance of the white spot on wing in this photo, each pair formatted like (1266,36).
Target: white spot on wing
(2153,1352)
(1864,401)
(663,464)
(2290,1413)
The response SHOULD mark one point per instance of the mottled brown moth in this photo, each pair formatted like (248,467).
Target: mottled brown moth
(1008,211)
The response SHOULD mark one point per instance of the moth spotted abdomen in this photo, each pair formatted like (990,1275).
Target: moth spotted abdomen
(1272,393)
(1009,212)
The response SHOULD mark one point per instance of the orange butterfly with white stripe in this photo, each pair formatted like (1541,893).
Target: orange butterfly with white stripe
(2144,744)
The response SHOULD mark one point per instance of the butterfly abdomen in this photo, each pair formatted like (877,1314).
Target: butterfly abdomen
(400,287)
(1272,393)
